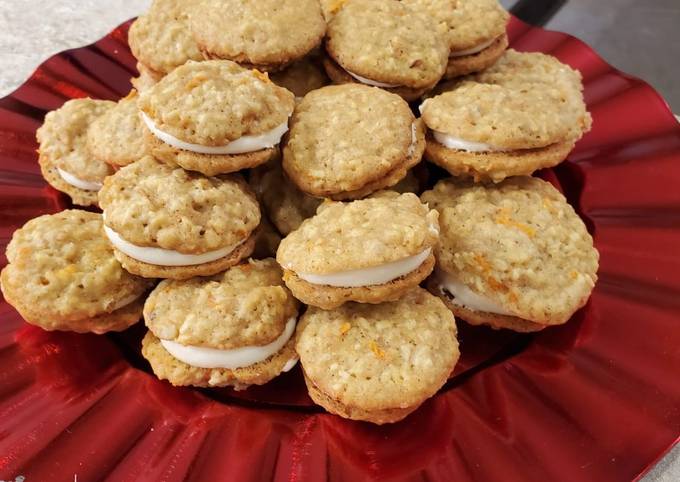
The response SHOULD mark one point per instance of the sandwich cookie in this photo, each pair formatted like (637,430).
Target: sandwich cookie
(370,251)
(285,205)
(347,141)
(475,31)
(215,117)
(65,160)
(160,39)
(232,329)
(62,275)
(165,222)
(117,136)
(145,79)
(302,77)
(266,34)
(511,255)
(384,43)
(490,131)
(377,363)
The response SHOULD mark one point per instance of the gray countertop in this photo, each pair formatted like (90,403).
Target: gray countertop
(638,37)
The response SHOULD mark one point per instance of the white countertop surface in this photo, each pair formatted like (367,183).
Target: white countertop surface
(32,30)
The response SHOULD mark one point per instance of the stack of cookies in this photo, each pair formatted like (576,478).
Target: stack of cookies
(255,216)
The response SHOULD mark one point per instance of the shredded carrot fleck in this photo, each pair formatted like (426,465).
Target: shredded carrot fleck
(195,81)
(377,350)
(547,203)
(345,328)
(263,76)
(503,217)
(336,6)
(574,274)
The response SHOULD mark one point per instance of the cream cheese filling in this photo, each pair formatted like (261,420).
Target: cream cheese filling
(453,142)
(375,275)
(473,50)
(165,257)
(465,297)
(79,183)
(125,301)
(241,145)
(204,357)
(374,83)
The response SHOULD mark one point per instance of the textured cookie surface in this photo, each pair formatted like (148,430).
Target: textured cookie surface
(167,367)
(301,77)
(283,202)
(152,204)
(63,138)
(376,357)
(48,169)
(465,23)
(386,41)
(265,32)
(518,243)
(117,136)
(212,103)
(360,234)
(160,38)
(247,305)
(506,118)
(346,136)
(62,269)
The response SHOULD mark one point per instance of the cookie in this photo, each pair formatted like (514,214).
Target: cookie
(215,117)
(285,205)
(166,222)
(475,31)
(347,141)
(267,35)
(232,329)
(117,136)
(377,363)
(370,251)
(65,160)
(385,44)
(62,275)
(146,78)
(490,131)
(302,77)
(511,255)
(160,39)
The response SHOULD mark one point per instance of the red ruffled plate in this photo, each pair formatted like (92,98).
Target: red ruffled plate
(597,399)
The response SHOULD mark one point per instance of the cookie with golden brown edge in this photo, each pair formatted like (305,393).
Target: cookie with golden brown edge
(283,202)
(347,141)
(370,251)
(166,222)
(475,31)
(62,275)
(232,329)
(302,77)
(215,117)
(266,34)
(160,38)
(490,131)
(65,159)
(511,255)
(145,79)
(386,44)
(377,363)
(117,136)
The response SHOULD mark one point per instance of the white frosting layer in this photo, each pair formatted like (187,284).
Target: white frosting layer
(414,140)
(464,296)
(164,257)
(239,146)
(79,183)
(374,83)
(452,142)
(290,364)
(125,301)
(472,50)
(376,275)
(202,357)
